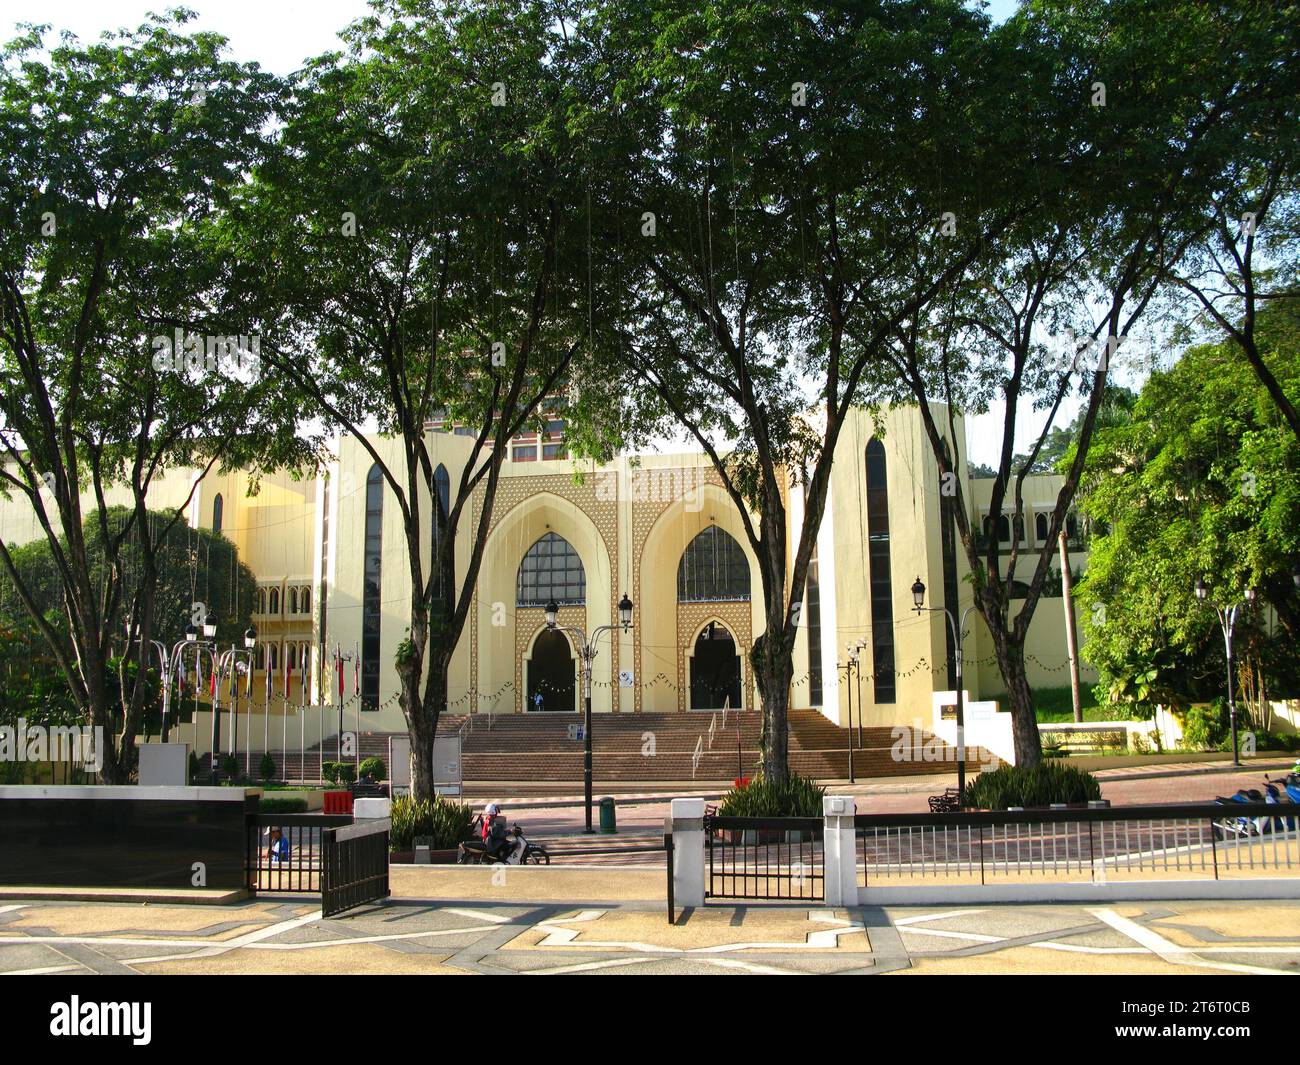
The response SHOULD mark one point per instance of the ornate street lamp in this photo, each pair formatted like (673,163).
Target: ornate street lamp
(587,648)
(918,599)
(1228,622)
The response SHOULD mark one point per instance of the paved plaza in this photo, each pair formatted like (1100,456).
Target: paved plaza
(575,920)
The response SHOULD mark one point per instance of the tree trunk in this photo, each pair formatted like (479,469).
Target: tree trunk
(422,736)
(773,673)
(1024,722)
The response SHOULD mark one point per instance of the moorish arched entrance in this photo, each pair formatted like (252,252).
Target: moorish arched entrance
(715,669)
(552,672)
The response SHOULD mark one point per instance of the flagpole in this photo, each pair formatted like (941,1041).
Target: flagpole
(284,727)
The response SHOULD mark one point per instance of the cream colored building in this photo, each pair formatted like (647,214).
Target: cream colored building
(657,527)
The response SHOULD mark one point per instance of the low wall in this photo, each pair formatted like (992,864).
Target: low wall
(124,836)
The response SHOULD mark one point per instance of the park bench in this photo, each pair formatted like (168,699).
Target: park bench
(947,803)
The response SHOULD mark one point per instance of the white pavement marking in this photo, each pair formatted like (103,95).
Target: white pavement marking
(935,916)
(559,936)
(944,933)
(10,909)
(366,939)
(587,967)
(249,938)
(479,915)
(42,972)
(751,967)
(1172,952)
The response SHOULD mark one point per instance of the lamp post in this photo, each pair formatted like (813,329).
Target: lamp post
(168,664)
(230,661)
(204,640)
(918,601)
(1227,622)
(848,668)
(859,647)
(587,648)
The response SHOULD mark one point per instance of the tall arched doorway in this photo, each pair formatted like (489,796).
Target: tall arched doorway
(552,673)
(715,669)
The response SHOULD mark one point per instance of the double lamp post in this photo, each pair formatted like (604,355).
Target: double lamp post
(587,648)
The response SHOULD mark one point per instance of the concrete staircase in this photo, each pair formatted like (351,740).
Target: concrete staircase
(657,747)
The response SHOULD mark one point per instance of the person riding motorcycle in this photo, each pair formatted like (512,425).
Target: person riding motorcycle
(495,840)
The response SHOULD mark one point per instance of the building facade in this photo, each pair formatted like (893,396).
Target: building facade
(333,594)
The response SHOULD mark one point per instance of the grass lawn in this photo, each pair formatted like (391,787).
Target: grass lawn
(1056,704)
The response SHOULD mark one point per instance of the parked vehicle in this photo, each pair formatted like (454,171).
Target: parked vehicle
(521,852)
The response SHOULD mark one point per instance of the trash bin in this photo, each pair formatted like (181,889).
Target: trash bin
(607,815)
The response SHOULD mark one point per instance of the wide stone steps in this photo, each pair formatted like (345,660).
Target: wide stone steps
(650,747)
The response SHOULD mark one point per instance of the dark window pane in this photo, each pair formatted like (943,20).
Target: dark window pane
(713,567)
(551,569)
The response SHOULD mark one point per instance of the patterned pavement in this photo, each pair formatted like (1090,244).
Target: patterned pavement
(487,936)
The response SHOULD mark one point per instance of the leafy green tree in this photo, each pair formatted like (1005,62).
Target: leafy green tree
(112,157)
(1202,482)
(773,188)
(194,566)
(414,250)
(1136,110)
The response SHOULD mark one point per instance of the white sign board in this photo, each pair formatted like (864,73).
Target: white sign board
(164,765)
(446,765)
(625,678)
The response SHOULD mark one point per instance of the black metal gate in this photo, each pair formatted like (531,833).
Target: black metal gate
(354,866)
(764,858)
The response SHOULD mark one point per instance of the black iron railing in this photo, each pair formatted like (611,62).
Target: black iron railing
(764,858)
(1110,843)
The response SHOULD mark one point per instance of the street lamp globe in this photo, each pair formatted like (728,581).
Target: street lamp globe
(918,594)
(191,634)
(552,610)
(1250,595)
(1295,577)
(625,611)
(1202,589)
(209,629)
(250,637)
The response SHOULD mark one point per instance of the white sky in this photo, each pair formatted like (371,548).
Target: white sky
(281,34)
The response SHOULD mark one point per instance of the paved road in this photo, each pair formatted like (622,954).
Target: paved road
(491,935)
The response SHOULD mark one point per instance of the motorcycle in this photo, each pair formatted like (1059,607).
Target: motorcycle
(1239,826)
(520,852)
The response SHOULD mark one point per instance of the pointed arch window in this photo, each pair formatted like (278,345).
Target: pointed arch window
(551,569)
(442,496)
(218,513)
(713,568)
(372,577)
(881,584)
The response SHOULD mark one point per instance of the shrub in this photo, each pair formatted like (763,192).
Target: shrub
(375,767)
(446,821)
(339,772)
(195,768)
(1039,785)
(230,767)
(281,806)
(1207,726)
(796,796)
(266,767)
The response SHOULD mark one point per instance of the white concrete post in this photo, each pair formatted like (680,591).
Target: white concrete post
(688,852)
(367,808)
(840,853)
